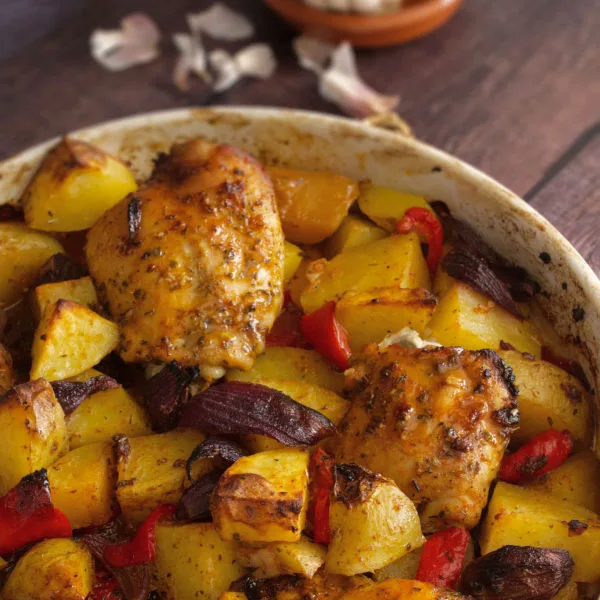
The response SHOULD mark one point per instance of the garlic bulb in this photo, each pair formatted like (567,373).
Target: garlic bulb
(356,6)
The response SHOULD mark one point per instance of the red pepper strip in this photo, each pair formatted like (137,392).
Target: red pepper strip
(542,453)
(27,514)
(321,477)
(286,329)
(142,548)
(105,588)
(427,223)
(324,332)
(443,557)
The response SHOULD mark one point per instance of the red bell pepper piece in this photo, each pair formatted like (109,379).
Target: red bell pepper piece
(142,548)
(325,333)
(443,557)
(321,477)
(542,453)
(105,588)
(27,514)
(286,329)
(425,222)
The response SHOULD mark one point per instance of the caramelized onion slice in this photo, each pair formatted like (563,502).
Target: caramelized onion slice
(461,264)
(195,503)
(133,581)
(70,394)
(238,407)
(518,573)
(60,267)
(225,451)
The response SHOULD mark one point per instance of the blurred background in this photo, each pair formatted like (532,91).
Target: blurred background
(512,87)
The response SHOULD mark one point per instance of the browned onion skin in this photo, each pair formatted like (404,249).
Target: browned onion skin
(195,503)
(70,394)
(60,267)
(518,573)
(224,451)
(238,407)
(134,581)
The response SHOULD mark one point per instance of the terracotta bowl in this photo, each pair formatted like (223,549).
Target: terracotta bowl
(415,20)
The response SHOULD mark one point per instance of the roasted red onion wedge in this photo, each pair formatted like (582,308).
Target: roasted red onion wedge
(237,407)
(195,503)
(134,581)
(166,393)
(518,573)
(224,451)
(70,394)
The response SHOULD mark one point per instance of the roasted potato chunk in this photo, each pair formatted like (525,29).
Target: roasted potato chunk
(52,569)
(372,522)
(105,414)
(291,261)
(192,561)
(7,375)
(299,282)
(318,398)
(436,421)
(82,484)
(396,260)
(549,397)
(263,497)
(311,204)
(369,316)
(525,517)
(466,318)
(80,290)
(33,429)
(151,470)
(303,557)
(386,206)
(402,589)
(24,251)
(352,233)
(69,339)
(577,481)
(75,184)
(291,364)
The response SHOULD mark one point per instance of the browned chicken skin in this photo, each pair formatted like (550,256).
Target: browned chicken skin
(435,420)
(191,265)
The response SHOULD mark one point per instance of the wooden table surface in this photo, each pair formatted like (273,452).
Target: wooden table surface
(512,87)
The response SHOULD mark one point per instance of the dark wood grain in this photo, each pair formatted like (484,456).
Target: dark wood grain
(507,86)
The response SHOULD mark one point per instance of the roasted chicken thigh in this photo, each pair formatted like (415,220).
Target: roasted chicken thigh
(191,265)
(435,420)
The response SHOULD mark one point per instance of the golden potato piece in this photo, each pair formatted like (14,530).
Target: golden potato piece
(396,260)
(7,375)
(69,339)
(192,561)
(386,206)
(352,233)
(33,429)
(577,481)
(311,204)
(402,589)
(24,251)
(299,282)
(82,484)
(466,318)
(291,261)
(303,557)
(372,522)
(263,497)
(291,364)
(525,517)
(370,316)
(549,397)
(151,470)
(75,184)
(52,569)
(328,403)
(81,291)
(105,414)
